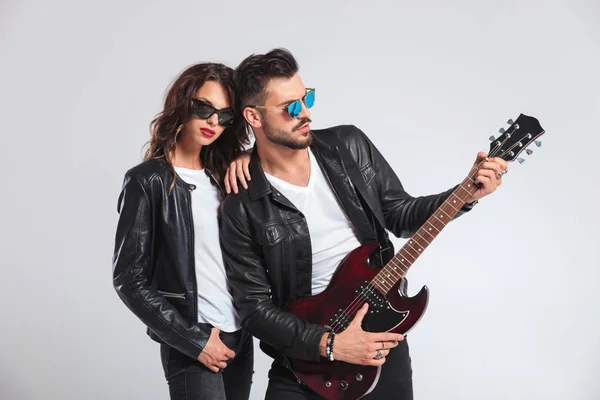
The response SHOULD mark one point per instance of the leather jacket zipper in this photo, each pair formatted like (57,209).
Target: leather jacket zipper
(192,249)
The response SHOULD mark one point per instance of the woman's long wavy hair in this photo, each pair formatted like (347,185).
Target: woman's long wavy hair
(177,111)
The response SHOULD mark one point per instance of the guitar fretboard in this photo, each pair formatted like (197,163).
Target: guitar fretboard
(398,266)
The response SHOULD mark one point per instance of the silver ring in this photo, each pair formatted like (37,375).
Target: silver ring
(378,356)
(382,346)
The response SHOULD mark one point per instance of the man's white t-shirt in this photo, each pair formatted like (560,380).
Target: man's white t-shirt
(215,303)
(331,232)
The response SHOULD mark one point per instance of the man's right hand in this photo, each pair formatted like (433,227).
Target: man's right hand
(356,346)
(215,354)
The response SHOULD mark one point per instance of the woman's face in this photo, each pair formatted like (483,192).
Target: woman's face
(202,130)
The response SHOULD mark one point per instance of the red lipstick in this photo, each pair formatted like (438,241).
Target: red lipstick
(207,132)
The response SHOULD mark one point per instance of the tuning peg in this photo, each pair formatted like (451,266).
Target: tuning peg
(502,130)
(492,138)
(538,143)
(510,122)
(521,160)
(529,152)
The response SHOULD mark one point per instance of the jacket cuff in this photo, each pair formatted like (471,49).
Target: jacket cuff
(313,341)
(469,206)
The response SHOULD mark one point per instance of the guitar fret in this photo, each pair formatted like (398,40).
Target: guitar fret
(445,213)
(396,265)
(382,281)
(407,251)
(390,272)
(402,260)
(455,209)
(429,222)
(417,250)
(428,232)
(426,241)
(439,220)
(387,273)
(461,186)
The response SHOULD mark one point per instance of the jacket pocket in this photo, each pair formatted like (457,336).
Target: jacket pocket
(272,234)
(172,295)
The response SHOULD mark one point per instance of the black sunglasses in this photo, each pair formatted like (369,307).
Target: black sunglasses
(202,109)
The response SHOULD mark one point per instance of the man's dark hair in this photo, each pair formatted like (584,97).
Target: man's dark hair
(254,73)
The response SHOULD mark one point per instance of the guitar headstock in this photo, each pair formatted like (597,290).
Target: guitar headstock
(515,139)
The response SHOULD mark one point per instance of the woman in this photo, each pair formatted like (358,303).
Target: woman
(167,265)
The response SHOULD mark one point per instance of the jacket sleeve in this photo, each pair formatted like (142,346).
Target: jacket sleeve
(251,291)
(403,213)
(132,273)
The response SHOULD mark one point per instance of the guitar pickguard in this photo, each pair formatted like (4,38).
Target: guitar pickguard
(382,317)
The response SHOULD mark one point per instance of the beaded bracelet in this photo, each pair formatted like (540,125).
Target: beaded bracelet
(329,345)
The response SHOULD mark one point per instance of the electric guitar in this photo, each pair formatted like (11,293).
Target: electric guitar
(355,282)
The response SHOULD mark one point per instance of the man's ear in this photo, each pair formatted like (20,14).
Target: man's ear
(253,117)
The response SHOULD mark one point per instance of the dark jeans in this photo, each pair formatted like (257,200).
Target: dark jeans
(395,381)
(189,379)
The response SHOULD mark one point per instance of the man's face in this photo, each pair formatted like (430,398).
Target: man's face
(278,126)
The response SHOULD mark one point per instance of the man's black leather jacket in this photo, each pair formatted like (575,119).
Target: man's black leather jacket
(267,247)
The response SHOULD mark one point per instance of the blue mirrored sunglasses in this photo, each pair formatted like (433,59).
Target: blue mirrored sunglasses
(295,107)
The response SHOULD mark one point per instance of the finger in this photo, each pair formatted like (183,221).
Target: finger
(227,187)
(480,157)
(240,175)
(490,174)
(503,163)
(485,182)
(222,364)
(246,171)
(375,363)
(233,178)
(213,368)
(494,166)
(385,337)
(228,352)
(384,353)
(390,344)
(360,314)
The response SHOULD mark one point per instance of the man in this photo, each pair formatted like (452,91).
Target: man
(283,238)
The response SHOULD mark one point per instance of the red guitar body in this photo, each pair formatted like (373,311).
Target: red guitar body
(336,307)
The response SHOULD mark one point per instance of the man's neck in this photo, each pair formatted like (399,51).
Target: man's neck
(292,166)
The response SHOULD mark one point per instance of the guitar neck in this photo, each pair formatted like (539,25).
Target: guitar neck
(398,266)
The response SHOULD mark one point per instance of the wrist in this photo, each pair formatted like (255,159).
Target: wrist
(323,344)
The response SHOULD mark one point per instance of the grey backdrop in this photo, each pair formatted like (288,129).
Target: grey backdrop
(515,284)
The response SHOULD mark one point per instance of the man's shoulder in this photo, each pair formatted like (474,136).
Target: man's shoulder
(349,136)
(236,203)
(346,133)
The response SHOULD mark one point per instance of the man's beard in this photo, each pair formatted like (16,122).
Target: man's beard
(287,139)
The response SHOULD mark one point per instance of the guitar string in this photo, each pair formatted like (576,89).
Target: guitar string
(355,305)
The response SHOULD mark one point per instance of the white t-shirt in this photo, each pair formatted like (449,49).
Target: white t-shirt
(331,232)
(215,303)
